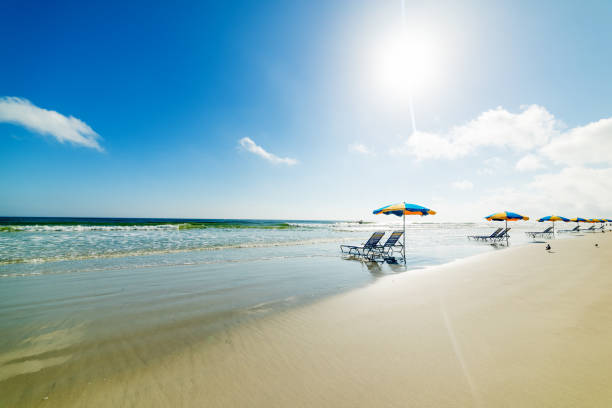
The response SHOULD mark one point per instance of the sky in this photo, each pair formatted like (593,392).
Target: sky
(305,109)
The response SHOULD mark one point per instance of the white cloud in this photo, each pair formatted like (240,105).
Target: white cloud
(22,112)
(463,185)
(426,145)
(583,145)
(577,189)
(359,148)
(534,126)
(571,192)
(582,188)
(486,171)
(530,162)
(249,145)
(491,166)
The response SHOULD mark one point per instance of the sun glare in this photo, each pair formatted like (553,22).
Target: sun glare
(405,62)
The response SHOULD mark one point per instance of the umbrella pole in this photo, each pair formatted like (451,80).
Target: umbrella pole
(404,248)
(506,232)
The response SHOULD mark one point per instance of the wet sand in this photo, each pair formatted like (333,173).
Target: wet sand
(517,327)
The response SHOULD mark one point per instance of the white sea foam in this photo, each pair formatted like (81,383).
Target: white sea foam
(85,228)
(119,253)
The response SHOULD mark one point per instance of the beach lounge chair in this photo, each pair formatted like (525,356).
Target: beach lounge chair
(547,233)
(478,237)
(366,249)
(483,237)
(502,235)
(575,229)
(591,228)
(392,243)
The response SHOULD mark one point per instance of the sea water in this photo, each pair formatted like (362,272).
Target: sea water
(77,293)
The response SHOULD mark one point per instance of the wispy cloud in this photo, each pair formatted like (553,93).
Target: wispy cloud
(463,185)
(251,146)
(22,112)
(359,148)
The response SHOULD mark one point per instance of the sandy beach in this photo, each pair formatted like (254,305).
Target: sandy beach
(516,327)
(306,204)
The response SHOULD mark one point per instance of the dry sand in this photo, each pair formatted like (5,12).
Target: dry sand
(519,327)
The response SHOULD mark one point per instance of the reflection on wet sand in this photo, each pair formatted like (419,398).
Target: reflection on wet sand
(38,352)
(380,268)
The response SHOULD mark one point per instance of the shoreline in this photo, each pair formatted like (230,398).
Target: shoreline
(519,327)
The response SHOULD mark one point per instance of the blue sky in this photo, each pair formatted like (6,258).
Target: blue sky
(303,109)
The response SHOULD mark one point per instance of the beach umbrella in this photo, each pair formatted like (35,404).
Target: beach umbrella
(578,219)
(553,219)
(403,209)
(593,220)
(506,216)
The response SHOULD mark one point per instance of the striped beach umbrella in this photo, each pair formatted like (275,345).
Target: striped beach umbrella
(553,219)
(594,220)
(506,216)
(403,209)
(578,220)
(602,221)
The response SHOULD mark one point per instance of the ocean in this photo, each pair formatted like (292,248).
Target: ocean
(82,298)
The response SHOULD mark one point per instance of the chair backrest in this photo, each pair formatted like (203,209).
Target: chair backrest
(393,238)
(547,230)
(374,239)
(494,234)
(576,228)
(504,233)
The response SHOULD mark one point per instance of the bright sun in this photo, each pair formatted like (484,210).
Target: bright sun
(405,62)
